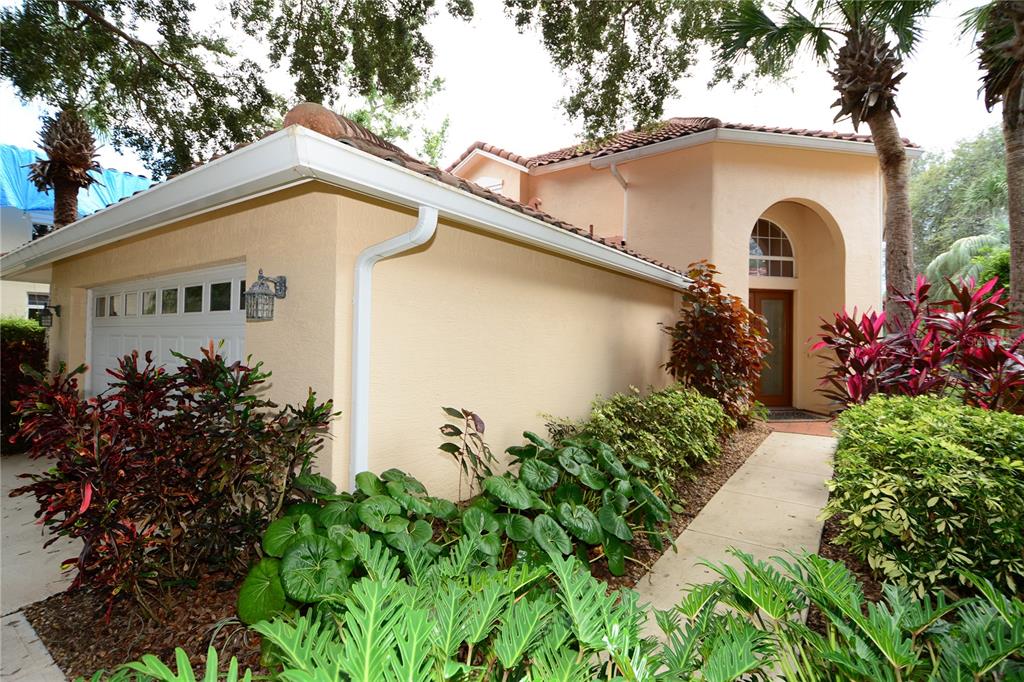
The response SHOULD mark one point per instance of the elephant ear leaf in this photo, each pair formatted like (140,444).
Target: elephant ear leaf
(592,477)
(610,463)
(581,522)
(510,491)
(613,522)
(550,536)
(311,568)
(615,552)
(376,511)
(518,528)
(656,508)
(368,483)
(315,484)
(538,475)
(261,596)
(283,532)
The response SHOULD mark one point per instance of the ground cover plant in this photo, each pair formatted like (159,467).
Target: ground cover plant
(965,347)
(718,344)
(167,473)
(574,498)
(455,621)
(926,488)
(22,342)
(659,436)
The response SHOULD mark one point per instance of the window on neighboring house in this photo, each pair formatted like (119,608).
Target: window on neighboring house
(771,254)
(36,304)
(489,183)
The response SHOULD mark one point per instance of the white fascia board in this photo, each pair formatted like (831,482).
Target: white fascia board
(341,165)
(561,165)
(754,137)
(488,155)
(296,155)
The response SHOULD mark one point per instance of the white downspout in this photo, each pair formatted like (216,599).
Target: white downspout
(359,443)
(625,200)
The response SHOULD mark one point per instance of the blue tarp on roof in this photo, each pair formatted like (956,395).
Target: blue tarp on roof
(16,190)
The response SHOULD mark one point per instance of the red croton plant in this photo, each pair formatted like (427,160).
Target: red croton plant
(167,473)
(964,347)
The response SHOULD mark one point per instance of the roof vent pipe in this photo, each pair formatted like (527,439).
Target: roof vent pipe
(614,168)
(359,442)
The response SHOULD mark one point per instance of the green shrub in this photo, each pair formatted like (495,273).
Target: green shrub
(462,623)
(672,430)
(22,342)
(927,487)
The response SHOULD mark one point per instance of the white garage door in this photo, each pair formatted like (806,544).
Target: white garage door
(181,313)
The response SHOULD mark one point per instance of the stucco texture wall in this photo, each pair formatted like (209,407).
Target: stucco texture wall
(481,169)
(467,320)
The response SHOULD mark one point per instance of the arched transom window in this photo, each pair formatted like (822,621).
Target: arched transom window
(771,254)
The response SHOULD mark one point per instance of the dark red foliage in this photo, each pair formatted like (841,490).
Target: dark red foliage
(22,342)
(167,472)
(718,344)
(961,347)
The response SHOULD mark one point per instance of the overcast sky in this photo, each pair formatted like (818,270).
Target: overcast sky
(502,88)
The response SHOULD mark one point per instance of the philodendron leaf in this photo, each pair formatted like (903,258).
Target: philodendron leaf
(416,534)
(571,457)
(612,498)
(581,522)
(408,482)
(368,483)
(550,536)
(301,508)
(510,491)
(415,504)
(376,511)
(592,477)
(442,508)
(476,520)
(613,522)
(312,567)
(261,596)
(282,533)
(518,528)
(538,475)
(316,484)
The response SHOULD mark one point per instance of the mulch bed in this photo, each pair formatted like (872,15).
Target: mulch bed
(693,492)
(72,625)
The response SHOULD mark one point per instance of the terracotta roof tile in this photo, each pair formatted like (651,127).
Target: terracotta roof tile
(671,129)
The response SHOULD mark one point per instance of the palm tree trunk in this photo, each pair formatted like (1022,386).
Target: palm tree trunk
(65,202)
(1013,135)
(898,234)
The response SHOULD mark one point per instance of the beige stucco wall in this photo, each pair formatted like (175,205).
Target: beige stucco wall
(702,202)
(466,320)
(14,297)
(479,168)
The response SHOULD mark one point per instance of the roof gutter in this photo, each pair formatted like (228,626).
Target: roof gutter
(753,137)
(421,233)
(296,155)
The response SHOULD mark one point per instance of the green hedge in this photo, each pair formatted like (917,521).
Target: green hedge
(22,341)
(673,430)
(928,487)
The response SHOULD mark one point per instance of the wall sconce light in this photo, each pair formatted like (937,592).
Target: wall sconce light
(259,297)
(46,317)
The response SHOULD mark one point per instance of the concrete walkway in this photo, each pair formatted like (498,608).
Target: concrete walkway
(770,505)
(28,573)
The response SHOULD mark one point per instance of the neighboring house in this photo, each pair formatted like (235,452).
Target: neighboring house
(26,213)
(792,218)
(467,297)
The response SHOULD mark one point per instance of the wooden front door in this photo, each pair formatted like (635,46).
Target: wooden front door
(775,388)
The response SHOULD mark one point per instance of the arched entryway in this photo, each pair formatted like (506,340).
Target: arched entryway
(796,277)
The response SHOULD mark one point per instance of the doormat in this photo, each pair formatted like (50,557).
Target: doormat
(789,414)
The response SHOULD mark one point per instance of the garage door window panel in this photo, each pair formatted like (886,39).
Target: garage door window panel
(131,304)
(169,302)
(194,298)
(149,302)
(220,296)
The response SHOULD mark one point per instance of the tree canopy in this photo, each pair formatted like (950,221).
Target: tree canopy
(144,75)
(958,194)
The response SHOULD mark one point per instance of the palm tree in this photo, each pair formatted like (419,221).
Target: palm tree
(865,43)
(1001,58)
(959,263)
(71,153)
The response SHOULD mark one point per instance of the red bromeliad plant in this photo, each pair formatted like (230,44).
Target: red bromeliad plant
(168,472)
(955,347)
(718,344)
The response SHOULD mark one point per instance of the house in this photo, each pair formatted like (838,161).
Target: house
(26,212)
(401,288)
(792,218)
